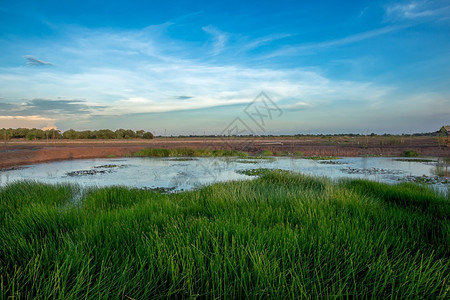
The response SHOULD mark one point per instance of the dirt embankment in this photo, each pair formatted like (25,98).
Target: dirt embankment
(23,152)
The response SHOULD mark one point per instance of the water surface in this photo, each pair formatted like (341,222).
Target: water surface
(187,173)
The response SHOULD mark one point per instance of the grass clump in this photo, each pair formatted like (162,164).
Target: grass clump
(156,152)
(266,153)
(282,235)
(254,172)
(410,153)
(247,161)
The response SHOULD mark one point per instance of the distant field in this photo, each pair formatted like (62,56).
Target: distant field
(280,236)
(19,152)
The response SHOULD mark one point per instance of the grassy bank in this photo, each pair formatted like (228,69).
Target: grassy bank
(280,236)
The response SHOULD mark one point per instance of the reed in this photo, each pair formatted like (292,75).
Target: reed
(282,235)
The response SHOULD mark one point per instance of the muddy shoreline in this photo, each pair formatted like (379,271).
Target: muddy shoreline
(17,153)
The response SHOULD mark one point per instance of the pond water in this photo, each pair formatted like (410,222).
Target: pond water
(186,173)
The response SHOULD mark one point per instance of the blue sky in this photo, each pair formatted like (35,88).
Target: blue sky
(184,67)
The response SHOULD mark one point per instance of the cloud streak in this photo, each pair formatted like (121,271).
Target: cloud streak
(33,61)
(416,10)
(220,38)
(47,107)
(116,73)
(307,48)
(145,74)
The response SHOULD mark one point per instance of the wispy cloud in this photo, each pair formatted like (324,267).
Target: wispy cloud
(305,48)
(145,73)
(296,106)
(47,107)
(27,121)
(220,38)
(266,40)
(363,12)
(417,10)
(111,74)
(33,61)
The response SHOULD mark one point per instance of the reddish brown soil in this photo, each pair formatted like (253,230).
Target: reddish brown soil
(16,153)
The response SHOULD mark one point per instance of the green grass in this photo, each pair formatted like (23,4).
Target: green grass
(279,236)
(255,172)
(298,154)
(247,161)
(410,153)
(156,152)
(266,153)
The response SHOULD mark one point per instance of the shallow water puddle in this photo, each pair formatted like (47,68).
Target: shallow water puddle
(187,173)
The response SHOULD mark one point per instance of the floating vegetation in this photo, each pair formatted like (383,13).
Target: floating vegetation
(159,190)
(421,160)
(262,157)
(321,157)
(109,166)
(331,162)
(371,171)
(181,159)
(254,172)
(424,179)
(103,169)
(246,161)
(13,168)
(87,172)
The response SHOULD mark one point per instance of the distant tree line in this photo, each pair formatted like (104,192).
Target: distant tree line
(54,134)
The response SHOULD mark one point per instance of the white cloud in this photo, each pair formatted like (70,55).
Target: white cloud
(220,38)
(141,72)
(27,118)
(306,48)
(155,86)
(417,10)
(265,40)
(26,121)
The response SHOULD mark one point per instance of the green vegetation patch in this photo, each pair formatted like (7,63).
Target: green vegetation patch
(410,153)
(247,161)
(282,235)
(321,157)
(262,157)
(267,153)
(156,152)
(255,172)
(424,179)
(415,160)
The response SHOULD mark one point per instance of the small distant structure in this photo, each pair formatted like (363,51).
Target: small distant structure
(445,132)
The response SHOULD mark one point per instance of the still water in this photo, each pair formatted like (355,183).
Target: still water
(188,173)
